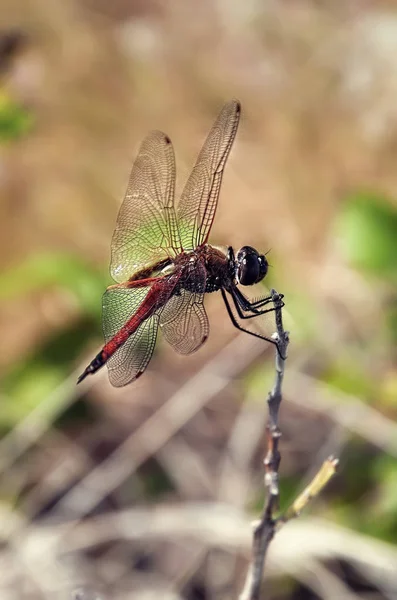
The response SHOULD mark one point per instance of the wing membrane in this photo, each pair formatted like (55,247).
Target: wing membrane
(184,322)
(132,358)
(146,230)
(199,199)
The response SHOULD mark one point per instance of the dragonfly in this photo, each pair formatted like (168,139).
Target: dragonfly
(163,264)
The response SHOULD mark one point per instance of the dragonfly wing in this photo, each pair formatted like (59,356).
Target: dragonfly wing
(146,230)
(184,321)
(199,199)
(132,358)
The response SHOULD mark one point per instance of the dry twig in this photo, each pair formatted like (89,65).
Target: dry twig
(265,528)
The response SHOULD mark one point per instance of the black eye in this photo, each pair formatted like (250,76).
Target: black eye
(251,267)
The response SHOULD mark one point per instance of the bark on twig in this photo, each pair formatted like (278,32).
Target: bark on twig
(266,527)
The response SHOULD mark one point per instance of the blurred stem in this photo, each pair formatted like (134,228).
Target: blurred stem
(264,529)
(268,525)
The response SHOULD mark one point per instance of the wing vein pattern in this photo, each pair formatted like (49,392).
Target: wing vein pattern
(119,305)
(146,229)
(199,199)
(183,321)
(149,231)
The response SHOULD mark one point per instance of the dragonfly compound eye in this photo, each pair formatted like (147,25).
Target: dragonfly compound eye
(251,267)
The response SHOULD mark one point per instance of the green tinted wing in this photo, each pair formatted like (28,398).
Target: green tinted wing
(132,358)
(146,230)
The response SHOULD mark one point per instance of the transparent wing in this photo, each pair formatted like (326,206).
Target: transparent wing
(132,358)
(199,199)
(146,230)
(184,322)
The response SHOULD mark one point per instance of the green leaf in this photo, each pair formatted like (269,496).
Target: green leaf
(367,230)
(346,375)
(15,121)
(56,269)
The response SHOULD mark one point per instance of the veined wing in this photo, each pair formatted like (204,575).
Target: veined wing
(119,306)
(131,359)
(199,199)
(146,230)
(184,321)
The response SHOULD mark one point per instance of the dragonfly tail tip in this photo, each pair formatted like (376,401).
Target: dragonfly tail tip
(82,376)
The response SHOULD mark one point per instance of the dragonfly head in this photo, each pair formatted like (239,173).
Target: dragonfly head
(251,267)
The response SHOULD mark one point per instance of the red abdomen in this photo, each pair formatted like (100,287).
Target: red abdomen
(159,293)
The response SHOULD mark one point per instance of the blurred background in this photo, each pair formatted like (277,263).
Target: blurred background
(149,490)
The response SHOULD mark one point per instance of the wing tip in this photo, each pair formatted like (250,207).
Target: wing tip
(119,383)
(236,105)
(157,135)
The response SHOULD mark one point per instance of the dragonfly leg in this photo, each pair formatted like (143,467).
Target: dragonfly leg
(241,328)
(243,305)
(261,301)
